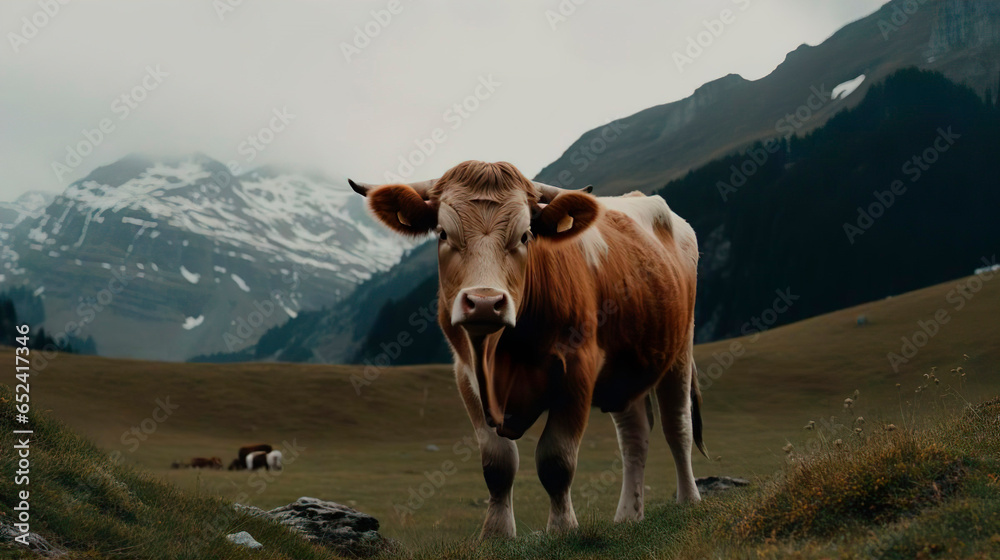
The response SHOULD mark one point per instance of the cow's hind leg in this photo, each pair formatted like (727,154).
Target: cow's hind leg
(674,394)
(555,459)
(633,428)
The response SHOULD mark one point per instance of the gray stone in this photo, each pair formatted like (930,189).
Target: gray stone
(36,542)
(244,539)
(711,484)
(335,526)
(432,447)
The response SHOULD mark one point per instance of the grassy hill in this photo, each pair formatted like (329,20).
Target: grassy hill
(370,449)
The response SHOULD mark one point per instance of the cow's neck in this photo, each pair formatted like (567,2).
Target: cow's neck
(515,367)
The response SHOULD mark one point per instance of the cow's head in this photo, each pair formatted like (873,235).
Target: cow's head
(486,217)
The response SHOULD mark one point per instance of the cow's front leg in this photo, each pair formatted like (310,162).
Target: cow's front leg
(500,463)
(555,459)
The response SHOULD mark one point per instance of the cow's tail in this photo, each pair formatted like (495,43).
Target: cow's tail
(649,409)
(696,424)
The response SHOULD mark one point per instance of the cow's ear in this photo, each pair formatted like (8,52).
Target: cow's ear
(402,209)
(569,215)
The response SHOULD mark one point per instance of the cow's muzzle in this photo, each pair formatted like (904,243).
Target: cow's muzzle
(482,311)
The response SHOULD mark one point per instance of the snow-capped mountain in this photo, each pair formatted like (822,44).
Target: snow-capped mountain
(166,259)
(28,205)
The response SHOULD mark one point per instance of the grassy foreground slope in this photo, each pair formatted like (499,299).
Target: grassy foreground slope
(370,449)
(94,505)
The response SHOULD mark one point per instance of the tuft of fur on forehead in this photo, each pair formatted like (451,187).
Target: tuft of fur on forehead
(485,181)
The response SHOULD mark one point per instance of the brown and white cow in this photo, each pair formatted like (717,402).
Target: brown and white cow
(248,449)
(555,300)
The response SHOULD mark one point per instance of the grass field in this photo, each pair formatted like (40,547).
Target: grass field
(369,450)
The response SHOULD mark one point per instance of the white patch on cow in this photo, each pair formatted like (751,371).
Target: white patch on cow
(274,460)
(594,247)
(647,211)
(251,457)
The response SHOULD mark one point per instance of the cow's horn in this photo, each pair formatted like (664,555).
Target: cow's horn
(423,187)
(549,193)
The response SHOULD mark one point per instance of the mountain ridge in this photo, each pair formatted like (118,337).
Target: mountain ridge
(960,39)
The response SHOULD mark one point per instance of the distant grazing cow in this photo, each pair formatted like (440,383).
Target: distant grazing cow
(260,460)
(248,449)
(557,301)
(206,463)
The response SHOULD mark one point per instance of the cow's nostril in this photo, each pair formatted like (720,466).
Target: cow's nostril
(500,303)
(468,303)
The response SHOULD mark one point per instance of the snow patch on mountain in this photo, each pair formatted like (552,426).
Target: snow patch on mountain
(240,282)
(190,276)
(847,88)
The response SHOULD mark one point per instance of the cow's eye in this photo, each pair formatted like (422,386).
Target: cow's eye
(525,238)
(443,236)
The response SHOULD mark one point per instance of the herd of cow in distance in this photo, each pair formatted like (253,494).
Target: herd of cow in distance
(250,457)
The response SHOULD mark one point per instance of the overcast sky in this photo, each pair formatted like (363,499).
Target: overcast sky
(203,76)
